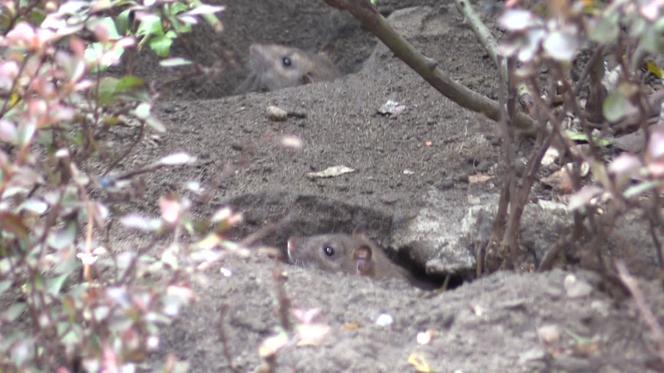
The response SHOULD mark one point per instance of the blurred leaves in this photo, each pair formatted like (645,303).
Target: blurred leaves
(420,364)
(618,104)
(100,307)
(111,89)
(605,29)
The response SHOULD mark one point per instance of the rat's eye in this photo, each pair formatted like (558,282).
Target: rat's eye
(328,250)
(286,61)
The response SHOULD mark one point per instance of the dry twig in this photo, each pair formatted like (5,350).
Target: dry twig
(426,67)
(646,313)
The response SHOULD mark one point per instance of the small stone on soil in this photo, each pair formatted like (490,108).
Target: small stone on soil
(577,288)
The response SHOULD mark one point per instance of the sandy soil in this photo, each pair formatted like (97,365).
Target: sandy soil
(517,322)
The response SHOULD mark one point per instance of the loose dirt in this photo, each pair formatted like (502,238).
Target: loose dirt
(517,322)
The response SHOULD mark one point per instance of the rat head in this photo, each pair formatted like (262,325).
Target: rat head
(334,252)
(277,66)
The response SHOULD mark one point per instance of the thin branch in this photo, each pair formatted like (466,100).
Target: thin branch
(123,155)
(599,53)
(427,68)
(224,337)
(283,302)
(655,240)
(482,32)
(646,313)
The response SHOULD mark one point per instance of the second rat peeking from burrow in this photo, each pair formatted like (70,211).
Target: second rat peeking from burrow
(273,66)
(352,254)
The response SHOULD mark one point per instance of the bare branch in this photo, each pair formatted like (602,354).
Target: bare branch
(645,311)
(482,32)
(424,66)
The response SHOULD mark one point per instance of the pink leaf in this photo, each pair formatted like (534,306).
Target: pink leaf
(584,196)
(656,144)
(8,131)
(171,209)
(625,164)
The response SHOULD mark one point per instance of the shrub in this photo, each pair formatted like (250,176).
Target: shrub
(71,301)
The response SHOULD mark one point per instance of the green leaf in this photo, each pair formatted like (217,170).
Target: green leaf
(107,88)
(576,135)
(72,338)
(640,188)
(150,26)
(155,124)
(23,351)
(180,27)
(121,325)
(616,106)
(69,307)
(142,111)
(129,83)
(214,22)
(93,53)
(37,16)
(99,57)
(76,138)
(171,12)
(161,45)
(109,25)
(14,311)
(659,24)
(637,27)
(26,131)
(62,238)
(650,40)
(5,266)
(177,8)
(111,88)
(68,266)
(101,312)
(4,285)
(100,5)
(580,136)
(122,22)
(45,138)
(606,30)
(577,338)
(14,224)
(9,339)
(54,285)
(174,62)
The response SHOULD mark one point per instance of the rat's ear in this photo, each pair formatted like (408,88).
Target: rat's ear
(292,244)
(328,50)
(359,233)
(362,257)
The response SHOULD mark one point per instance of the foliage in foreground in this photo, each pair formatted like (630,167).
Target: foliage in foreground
(601,83)
(70,299)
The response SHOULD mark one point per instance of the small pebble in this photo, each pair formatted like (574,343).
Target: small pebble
(384,320)
(549,334)
(276,114)
(576,288)
(531,355)
(425,337)
(601,307)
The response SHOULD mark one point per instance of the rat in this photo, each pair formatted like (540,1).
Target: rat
(274,66)
(351,254)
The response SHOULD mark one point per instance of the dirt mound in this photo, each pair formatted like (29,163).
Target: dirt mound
(504,322)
